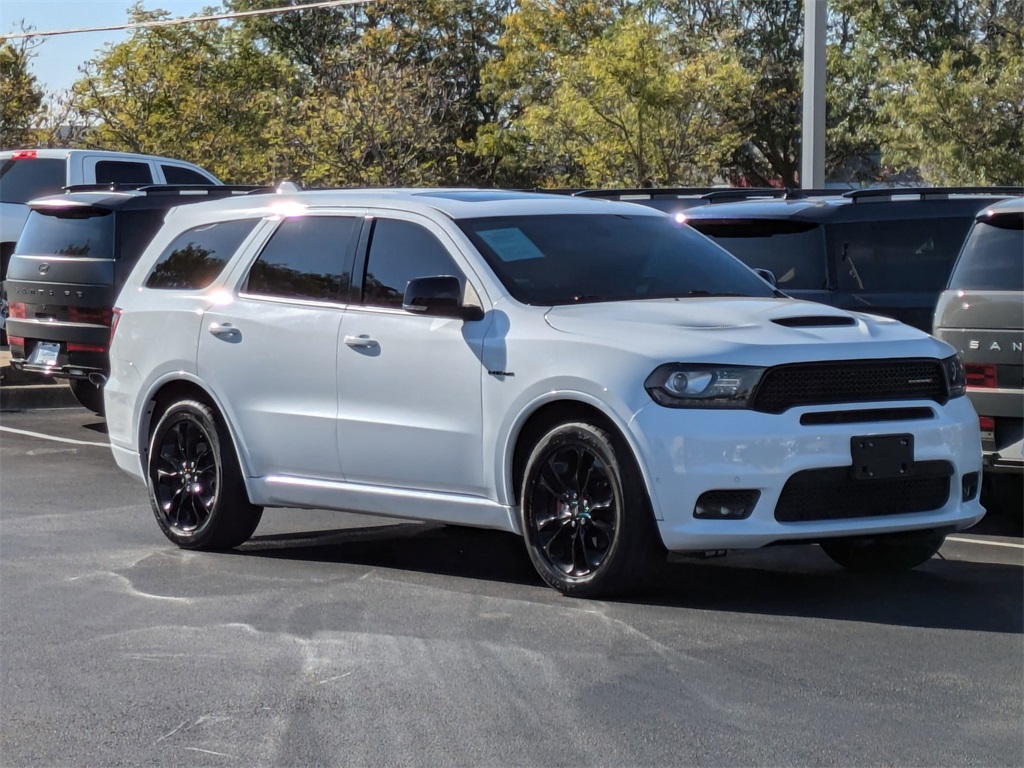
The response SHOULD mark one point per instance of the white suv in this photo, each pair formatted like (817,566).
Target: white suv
(592,375)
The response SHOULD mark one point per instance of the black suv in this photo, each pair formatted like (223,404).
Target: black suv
(70,262)
(883,251)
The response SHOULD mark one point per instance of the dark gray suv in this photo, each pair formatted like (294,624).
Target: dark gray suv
(981,314)
(881,251)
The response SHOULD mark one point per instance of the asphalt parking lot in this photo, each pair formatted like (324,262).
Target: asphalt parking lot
(340,639)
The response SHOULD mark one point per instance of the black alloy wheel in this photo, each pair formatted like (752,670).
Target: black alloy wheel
(573,510)
(584,513)
(187,477)
(196,487)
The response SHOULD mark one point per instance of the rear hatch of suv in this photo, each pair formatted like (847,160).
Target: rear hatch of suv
(62,280)
(981,314)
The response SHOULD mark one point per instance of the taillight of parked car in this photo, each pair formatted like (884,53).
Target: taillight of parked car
(17,310)
(115,316)
(980,375)
(93,315)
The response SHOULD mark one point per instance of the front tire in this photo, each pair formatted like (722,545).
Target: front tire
(585,514)
(884,554)
(88,394)
(195,483)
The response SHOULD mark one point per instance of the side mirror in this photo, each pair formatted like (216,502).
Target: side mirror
(439,296)
(768,276)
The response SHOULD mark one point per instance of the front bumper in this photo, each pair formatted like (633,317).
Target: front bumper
(689,452)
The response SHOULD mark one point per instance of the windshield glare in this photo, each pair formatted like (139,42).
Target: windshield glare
(575,258)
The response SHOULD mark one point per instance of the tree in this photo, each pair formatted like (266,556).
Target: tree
(21,98)
(390,91)
(200,92)
(950,89)
(612,93)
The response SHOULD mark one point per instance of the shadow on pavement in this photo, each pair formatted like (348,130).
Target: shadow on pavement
(784,581)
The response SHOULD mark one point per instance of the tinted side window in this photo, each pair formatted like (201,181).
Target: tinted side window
(88,233)
(993,256)
(892,256)
(120,172)
(175,174)
(24,180)
(195,258)
(793,250)
(305,259)
(399,252)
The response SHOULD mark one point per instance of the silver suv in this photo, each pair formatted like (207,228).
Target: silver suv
(592,375)
(982,315)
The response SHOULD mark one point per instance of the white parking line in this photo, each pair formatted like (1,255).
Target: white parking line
(986,543)
(52,437)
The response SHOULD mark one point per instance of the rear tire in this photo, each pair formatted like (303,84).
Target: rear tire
(585,515)
(884,554)
(195,483)
(88,394)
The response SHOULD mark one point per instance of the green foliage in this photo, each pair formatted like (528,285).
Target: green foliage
(557,92)
(958,124)
(201,92)
(21,98)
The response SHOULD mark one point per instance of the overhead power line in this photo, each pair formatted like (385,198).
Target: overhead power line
(190,19)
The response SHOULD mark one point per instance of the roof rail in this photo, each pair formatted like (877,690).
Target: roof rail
(930,193)
(169,189)
(747,193)
(649,192)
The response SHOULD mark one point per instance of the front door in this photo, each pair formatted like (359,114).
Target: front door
(409,411)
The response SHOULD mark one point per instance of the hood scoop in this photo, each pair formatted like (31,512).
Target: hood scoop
(814,321)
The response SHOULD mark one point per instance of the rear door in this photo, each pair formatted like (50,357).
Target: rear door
(270,352)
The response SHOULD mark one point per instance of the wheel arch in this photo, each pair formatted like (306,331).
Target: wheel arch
(172,390)
(547,413)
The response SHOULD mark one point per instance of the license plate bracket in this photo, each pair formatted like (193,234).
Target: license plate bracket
(44,353)
(877,457)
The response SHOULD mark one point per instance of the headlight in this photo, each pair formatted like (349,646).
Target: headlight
(956,376)
(680,385)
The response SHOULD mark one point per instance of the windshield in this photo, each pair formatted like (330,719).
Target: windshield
(993,256)
(574,258)
(26,179)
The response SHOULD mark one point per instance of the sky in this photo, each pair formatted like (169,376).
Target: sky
(58,58)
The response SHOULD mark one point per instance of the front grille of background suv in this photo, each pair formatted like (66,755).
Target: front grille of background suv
(849,381)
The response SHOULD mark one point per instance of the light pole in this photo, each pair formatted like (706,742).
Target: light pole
(812,161)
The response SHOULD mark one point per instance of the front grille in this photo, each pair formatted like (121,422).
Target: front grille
(831,494)
(849,381)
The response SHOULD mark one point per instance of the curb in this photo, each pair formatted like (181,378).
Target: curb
(30,396)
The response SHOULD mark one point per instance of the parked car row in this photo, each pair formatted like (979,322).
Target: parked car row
(589,373)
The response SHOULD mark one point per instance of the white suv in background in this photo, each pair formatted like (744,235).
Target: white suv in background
(592,375)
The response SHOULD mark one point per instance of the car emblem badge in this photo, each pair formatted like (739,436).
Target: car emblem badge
(44,268)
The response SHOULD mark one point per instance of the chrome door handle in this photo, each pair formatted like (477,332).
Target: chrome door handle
(360,341)
(223,330)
